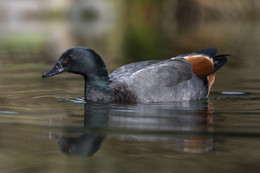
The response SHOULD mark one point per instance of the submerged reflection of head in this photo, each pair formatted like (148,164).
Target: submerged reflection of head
(87,143)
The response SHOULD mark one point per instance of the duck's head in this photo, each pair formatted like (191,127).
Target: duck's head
(79,60)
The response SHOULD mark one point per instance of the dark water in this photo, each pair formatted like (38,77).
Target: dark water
(46,127)
(47,133)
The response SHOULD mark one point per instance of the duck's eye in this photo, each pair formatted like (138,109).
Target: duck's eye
(69,57)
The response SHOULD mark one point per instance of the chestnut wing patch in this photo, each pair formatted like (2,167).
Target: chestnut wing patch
(202,65)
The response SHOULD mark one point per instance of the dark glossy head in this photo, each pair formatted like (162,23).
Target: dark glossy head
(79,60)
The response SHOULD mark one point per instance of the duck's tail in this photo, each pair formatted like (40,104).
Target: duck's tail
(218,62)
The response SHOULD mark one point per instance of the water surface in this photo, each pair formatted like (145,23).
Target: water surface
(46,128)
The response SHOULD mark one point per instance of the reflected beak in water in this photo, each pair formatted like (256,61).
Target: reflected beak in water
(57,69)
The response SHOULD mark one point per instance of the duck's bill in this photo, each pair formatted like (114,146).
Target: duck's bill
(57,69)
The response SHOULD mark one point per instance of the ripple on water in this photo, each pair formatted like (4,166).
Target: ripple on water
(8,112)
(235,95)
(76,100)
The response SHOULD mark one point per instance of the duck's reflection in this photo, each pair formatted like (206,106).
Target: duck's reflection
(185,126)
(88,143)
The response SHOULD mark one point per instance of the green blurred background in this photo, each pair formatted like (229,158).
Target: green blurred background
(121,31)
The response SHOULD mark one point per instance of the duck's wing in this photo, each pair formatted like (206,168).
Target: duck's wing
(169,80)
(161,81)
(129,69)
(165,73)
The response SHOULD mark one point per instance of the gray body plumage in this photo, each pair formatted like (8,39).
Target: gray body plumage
(157,81)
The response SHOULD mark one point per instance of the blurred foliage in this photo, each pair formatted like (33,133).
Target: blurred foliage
(128,30)
(55,15)
(142,39)
(23,46)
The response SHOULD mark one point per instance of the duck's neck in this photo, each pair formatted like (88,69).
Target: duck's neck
(97,89)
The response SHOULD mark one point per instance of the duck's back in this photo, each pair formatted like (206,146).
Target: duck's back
(157,81)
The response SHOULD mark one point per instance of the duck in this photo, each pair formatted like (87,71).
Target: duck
(185,77)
